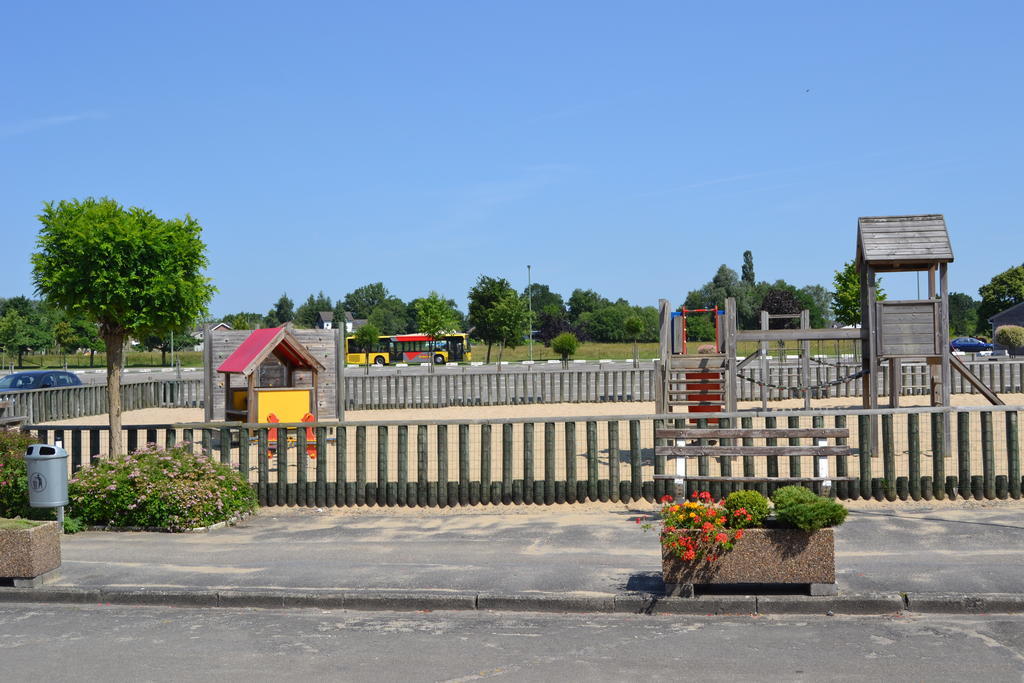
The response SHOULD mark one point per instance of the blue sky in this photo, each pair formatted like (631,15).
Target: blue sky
(628,148)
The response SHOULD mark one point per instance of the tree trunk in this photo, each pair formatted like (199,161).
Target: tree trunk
(636,355)
(115,359)
(488,361)
(92,356)
(501,352)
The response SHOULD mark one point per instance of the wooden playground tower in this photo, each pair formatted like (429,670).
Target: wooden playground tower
(891,331)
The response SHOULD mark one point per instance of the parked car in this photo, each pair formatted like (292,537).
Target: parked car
(969,345)
(39,379)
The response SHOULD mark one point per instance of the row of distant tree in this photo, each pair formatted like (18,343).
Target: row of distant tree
(500,315)
(33,326)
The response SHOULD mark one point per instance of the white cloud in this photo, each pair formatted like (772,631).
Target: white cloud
(10,130)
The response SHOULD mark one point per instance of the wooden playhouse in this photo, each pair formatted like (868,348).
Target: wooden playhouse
(270,361)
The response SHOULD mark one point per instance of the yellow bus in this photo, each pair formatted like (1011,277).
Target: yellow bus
(411,348)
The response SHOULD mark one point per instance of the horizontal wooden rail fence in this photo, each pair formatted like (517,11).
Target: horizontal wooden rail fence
(456,387)
(63,403)
(893,454)
(470,387)
(452,387)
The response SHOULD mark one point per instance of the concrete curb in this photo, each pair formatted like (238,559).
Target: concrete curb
(639,603)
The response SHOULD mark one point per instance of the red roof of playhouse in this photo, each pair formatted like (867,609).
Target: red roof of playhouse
(261,343)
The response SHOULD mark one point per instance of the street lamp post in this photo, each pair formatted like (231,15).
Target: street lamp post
(529,305)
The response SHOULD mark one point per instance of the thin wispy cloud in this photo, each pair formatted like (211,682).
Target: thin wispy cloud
(475,202)
(9,130)
(759,174)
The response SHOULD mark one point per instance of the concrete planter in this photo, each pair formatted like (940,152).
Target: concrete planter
(29,553)
(781,557)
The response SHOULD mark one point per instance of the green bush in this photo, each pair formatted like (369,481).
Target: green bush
(1010,336)
(802,508)
(172,489)
(565,345)
(742,504)
(14,477)
(790,495)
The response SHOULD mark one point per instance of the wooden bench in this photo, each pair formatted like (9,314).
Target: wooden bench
(819,449)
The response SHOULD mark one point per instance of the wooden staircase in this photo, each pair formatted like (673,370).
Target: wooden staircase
(696,383)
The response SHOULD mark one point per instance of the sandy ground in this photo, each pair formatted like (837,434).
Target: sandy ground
(162,416)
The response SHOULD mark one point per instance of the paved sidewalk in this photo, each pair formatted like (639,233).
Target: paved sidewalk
(562,558)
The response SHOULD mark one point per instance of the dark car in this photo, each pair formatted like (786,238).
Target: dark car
(969,345)
(39,379)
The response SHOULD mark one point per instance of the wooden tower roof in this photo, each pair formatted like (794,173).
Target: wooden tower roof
(896,243)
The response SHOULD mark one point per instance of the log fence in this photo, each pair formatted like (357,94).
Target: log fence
(546,461)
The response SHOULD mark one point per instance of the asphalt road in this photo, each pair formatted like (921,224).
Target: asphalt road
(115,643)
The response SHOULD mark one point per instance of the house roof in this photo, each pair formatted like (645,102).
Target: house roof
(326,316)
(200,329)
(261,343)
(896,243)
(1011,311)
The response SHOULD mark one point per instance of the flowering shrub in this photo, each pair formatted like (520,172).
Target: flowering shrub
(171,489)
(700,529)
(14,476)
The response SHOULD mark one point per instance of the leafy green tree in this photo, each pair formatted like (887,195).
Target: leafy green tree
(608,323)
(362,301)
(585,301)
(542,298)
(366,339)
(748,268)
(306,314)
(510,319)
(634,329)
(723,285)
(818,303)
(128,270)
(1004,290)
(390,316)
(565,345)
(282,312)
(963,315)
(23,328)
(436,316)
(243,320)
(483,298)
(846,295)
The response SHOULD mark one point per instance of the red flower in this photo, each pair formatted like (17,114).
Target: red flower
(637,520)
(722,537)
(707,526)
(739,534)
(667,498)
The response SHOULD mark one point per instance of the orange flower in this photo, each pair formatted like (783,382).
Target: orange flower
(739,534)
